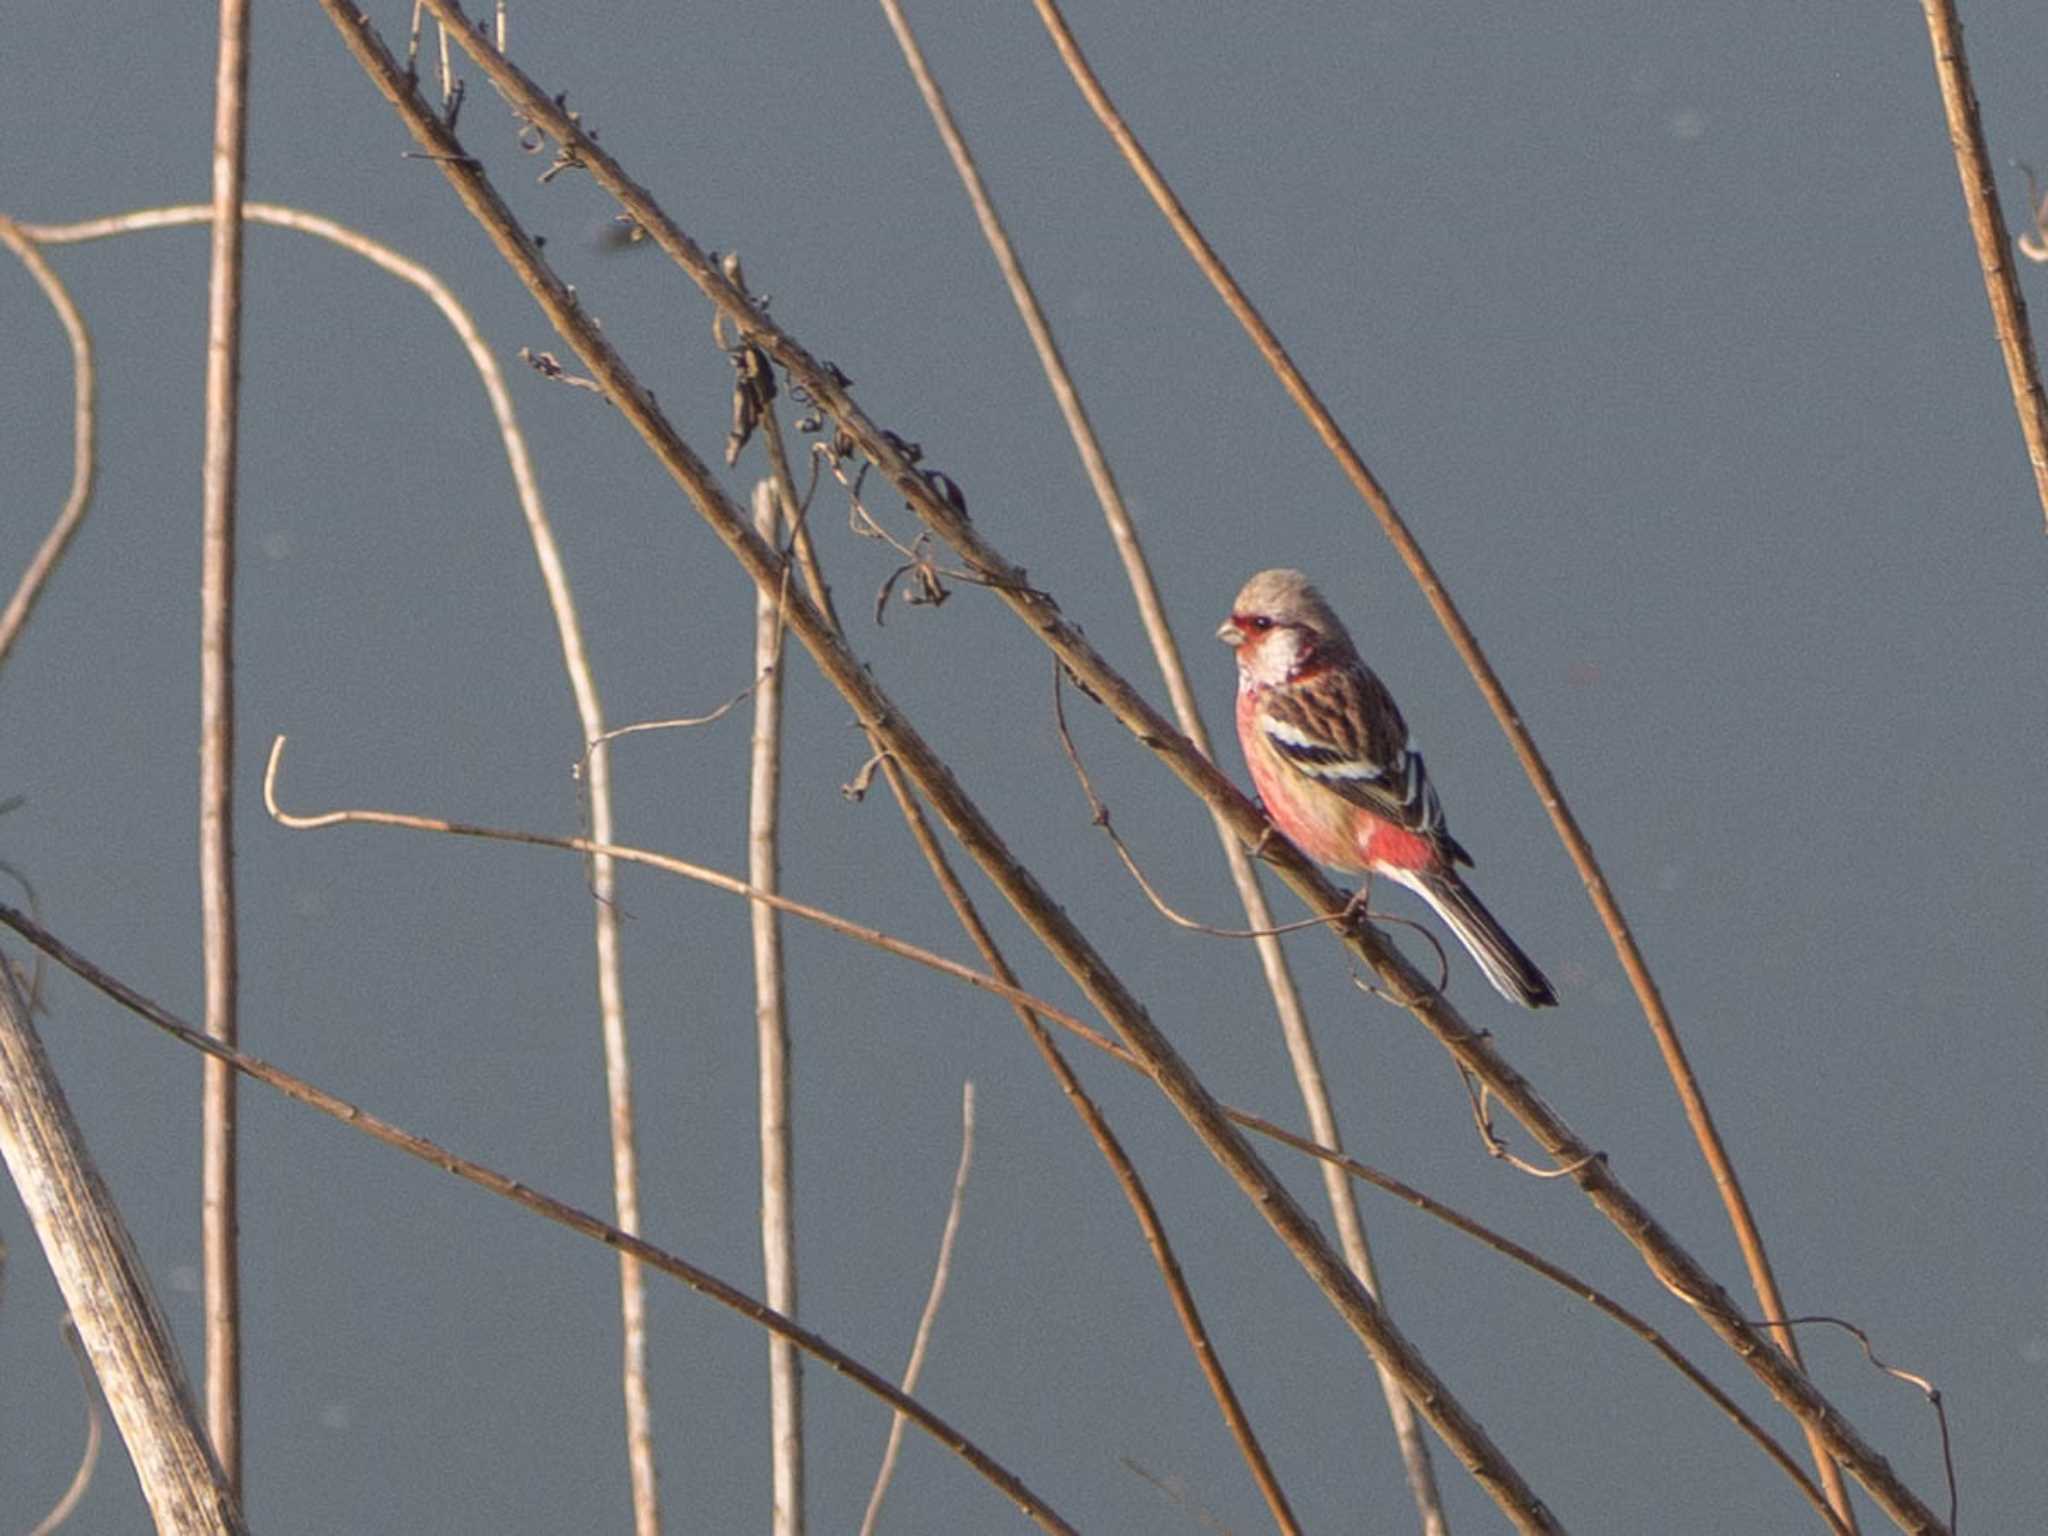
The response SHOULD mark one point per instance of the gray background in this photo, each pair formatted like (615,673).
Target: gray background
(1663,327)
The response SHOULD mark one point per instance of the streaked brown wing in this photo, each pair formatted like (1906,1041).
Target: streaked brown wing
(1340,727)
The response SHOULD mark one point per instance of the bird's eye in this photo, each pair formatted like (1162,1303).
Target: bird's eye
(1261,622)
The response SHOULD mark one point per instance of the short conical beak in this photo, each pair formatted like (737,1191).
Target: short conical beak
(1230,634)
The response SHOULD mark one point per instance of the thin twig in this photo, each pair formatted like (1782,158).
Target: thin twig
(625,854)
(1692,1096)
(942,1272)
(683,722)
(220,1207)
(1898,1373)
(594,769)
(1035,1008)
(1176,1495)
(771,1032)
(2033,240)
(95,1432)
(1987,228)
(34,981)
(41,565)
(559,1211)
(1482,1121)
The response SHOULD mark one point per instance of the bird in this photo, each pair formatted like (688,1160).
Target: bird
(1339,774)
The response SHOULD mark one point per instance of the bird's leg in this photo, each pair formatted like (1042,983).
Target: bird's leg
(1266,835)
(1355,908)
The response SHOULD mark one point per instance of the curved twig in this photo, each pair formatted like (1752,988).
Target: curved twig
(681,722)
(1098,815)
(1497,1149)
(95,1433)
(1927,1389)
(84,382)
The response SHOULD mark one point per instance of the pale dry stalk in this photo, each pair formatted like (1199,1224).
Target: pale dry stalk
(771,1031)
(220,1204)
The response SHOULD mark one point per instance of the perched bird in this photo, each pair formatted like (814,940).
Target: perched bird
(1331,757)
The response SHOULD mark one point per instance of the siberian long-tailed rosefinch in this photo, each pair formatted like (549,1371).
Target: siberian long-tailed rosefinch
(1332,760)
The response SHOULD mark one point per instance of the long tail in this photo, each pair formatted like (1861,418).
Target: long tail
(1513,974)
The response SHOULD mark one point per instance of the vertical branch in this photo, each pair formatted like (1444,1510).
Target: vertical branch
(611,999)
(778,1201)
(104,1286)
(1987,227)
(1301,1049)
(219,1204)
(641,1467)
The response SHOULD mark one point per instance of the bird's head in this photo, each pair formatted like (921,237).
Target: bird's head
(1278,624)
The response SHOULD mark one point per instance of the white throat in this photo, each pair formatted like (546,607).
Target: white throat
(1272,660)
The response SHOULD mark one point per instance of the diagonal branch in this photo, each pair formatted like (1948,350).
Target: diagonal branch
(1987,228)
(105,1287)
(942,1271)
